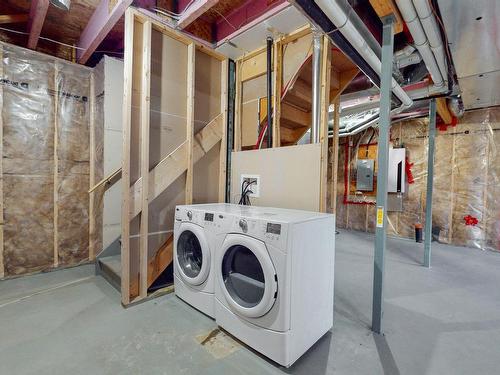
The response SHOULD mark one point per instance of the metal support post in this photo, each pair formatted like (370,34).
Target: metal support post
(382,176)
(316,87)
(430,181)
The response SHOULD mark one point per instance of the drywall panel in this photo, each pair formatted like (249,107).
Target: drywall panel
(113,144)
(207,106)
(251,91)
(289,176)
(294,55)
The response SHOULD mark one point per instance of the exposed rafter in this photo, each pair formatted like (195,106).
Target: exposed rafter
(38,11)
(198,8)
(100,24)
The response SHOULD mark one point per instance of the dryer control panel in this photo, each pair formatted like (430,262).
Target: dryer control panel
(270,232)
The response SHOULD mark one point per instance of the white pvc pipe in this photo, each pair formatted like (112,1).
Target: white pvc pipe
(418,33)
(341,21)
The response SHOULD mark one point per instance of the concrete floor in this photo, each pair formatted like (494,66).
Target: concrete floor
(445,320)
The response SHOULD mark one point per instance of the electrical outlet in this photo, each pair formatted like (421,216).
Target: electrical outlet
(254,180)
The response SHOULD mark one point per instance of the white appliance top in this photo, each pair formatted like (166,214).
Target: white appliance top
(263,213)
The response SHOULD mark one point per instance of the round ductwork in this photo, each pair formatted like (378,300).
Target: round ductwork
(61,4)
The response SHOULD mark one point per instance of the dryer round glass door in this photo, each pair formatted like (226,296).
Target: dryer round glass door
(248,278)
(192,254)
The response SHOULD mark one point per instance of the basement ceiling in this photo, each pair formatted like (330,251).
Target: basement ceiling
(473,30)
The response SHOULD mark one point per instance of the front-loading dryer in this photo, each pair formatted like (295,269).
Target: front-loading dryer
(274,280)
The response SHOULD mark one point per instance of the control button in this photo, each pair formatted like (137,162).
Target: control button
(243,225)
(190,215)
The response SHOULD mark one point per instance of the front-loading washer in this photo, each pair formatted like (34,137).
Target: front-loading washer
(275,280)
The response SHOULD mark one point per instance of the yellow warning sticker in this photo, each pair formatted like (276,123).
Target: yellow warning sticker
(380,217)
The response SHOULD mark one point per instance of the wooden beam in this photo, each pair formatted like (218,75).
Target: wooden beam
(56,167)
(145,116)
(190,122)
(99,25)
(175,164)
(326,66)
(385,8)
(92,177)
(443,111)
(345,79)
(127,124)
(223,146)
(254,67)
(38,11)
(14,18)
(196,10)
(335,155)
(278,83)
(106,183)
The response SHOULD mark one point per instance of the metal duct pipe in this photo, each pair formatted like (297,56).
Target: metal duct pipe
(431,29)
(347,28)
(421,42)
(269,92)
(316,87)
(405,61)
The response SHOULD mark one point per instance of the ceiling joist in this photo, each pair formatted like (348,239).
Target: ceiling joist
(100,24)
(38,11)
(13,18)
(197,9)
(385,8)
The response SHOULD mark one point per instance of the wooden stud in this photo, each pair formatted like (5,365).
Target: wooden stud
(92,177)
(335,155)
(278,83)
(223,145)
(127,123)
(238,108)
(2,268)
(190,121)
(145,116)
(326,65)
(56,166)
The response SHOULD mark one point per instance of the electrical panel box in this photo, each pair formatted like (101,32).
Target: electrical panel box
(364,174)
(397,174)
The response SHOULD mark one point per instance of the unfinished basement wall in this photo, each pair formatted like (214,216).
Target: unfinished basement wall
(45,120)
(466,181)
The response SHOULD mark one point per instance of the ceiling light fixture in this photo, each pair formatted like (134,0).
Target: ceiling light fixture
(61,4)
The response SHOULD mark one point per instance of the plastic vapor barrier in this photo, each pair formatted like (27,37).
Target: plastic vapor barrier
(466,203)
(45,120)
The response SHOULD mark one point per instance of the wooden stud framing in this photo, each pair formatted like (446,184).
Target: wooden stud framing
(223,145)
(127,122)
(2,269)
(335,155)
(326,66)
(145,115)
(92,177)
(56,166)
(278,83)
(137,195)
(190,121)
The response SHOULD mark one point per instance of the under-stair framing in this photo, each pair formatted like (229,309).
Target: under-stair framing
(174,150)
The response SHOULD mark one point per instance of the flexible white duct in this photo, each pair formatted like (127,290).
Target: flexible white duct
(341,21)
(421,42)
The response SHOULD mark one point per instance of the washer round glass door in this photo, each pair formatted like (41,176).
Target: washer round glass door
(192,254)
(247,276)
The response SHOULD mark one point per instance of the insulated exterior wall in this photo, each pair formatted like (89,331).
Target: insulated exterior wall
(45,119)
(466,182)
